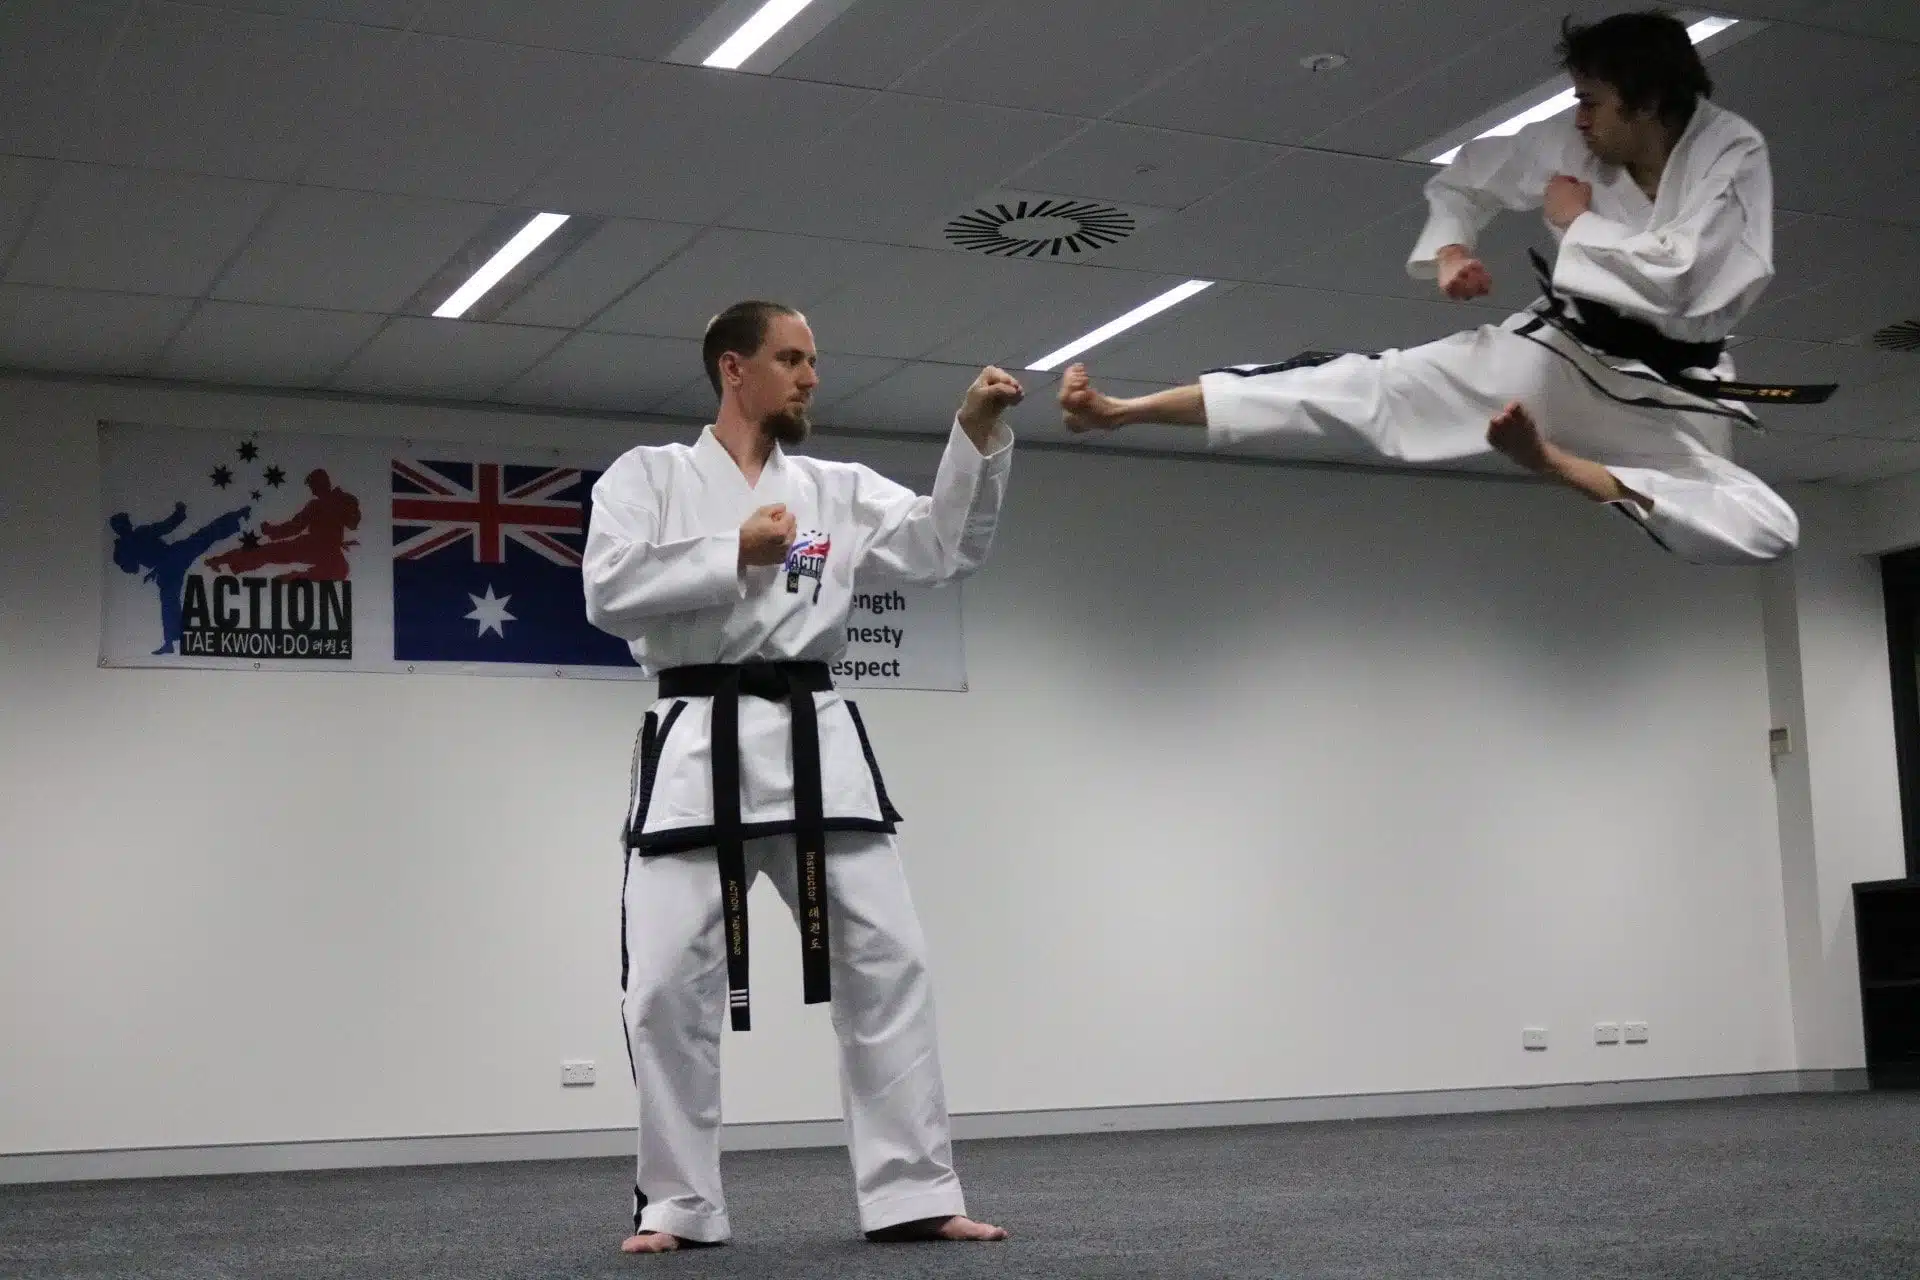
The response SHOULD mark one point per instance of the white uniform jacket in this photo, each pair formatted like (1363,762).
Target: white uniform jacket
(662,571)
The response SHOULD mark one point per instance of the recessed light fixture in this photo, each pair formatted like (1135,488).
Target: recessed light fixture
(1324,61)
(753,37)
(1145,311)
(511,255)
(1547,102)
(754,32)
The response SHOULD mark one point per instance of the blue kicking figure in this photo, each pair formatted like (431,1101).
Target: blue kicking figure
(137,547)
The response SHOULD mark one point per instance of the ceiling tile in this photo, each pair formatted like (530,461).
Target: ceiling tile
(53,54)
(209,91)
(606,371)
(1506,58)
(612,261)
(237,342)
(683,144)
(462,119)
(133,231)
(873,45)
(904,302)
(1892,19)
(1466,56)
(74,332)
(920,398)
(1784,459)
(1079,57)
(374,13)
(693,399)
(350,250)
(1056,305)
(22,184)
(1132,165)
(620,28)
(1374,259)
(1255,228)
(1818,163)
(1887,19)
(723,267)
(895,170)
(424,356)
(843,376)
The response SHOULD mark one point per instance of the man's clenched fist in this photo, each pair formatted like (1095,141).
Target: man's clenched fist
(767,536)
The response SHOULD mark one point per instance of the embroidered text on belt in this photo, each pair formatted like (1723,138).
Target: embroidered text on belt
(794,683)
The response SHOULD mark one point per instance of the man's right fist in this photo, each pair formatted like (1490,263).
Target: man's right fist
(767,536)
(1462,276)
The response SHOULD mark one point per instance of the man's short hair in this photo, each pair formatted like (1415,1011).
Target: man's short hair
(1647,57)
(741,328)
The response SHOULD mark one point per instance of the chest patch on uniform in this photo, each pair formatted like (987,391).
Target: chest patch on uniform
(808,559)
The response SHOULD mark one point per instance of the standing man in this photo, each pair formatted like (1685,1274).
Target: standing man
(1617,383)
(729,566)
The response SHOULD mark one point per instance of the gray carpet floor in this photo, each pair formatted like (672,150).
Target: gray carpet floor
(1802,1186)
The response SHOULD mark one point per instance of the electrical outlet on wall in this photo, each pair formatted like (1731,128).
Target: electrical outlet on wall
(1606,1033)
(1636,1033)
(577,1072)
(1533,1037)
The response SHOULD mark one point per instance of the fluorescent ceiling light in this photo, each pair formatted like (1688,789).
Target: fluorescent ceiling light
(1145,311)
(754,32)
(1704,29)
(510,256)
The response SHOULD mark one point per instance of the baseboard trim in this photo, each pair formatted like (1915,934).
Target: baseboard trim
(576,1144)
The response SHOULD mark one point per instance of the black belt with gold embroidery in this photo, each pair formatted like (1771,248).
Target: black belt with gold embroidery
(794,683)
(1606,329)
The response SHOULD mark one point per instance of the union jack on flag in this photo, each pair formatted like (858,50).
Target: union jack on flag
(446,503)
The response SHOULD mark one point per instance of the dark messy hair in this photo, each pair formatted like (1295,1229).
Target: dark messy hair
(1647,57)
(741,328)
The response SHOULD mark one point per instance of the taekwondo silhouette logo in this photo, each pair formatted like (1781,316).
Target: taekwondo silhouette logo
(303,611)
(808,559)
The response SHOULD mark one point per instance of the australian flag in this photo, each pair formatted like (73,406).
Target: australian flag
(486,565)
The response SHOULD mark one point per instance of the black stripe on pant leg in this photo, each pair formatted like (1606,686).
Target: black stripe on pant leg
(1305,360)
(642,749)
(1644,527)
(887,812)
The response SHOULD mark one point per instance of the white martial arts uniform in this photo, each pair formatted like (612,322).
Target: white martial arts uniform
(1690,263)
(661,571)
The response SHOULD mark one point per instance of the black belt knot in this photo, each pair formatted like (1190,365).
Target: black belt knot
(794,683)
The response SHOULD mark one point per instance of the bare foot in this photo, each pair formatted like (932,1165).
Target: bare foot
(1085,409)
(1514,433)
(650,1242)
(954,1227)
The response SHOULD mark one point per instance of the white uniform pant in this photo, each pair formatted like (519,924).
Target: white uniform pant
(1432,403)
(676,1000)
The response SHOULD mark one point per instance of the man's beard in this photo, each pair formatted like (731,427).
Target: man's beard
(789,426)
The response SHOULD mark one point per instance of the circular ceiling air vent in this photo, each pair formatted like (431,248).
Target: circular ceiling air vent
(1904,336)
(1036,228)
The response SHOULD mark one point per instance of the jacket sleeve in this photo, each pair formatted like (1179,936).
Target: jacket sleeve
(630,575)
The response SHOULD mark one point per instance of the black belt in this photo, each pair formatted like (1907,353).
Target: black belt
(794,683)
(1605,329)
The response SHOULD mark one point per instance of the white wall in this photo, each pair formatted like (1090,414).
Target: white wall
(1271,783)
(1839,790)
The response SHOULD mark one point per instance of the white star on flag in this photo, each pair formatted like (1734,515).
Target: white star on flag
(491,612)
